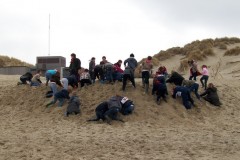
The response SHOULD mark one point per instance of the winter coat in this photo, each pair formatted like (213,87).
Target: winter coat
(75,65)
(129,71)
(114,102)
(188,83)
(74,105)
(211,96)
(132,62)
(62,94)
(117,68)
(175,78)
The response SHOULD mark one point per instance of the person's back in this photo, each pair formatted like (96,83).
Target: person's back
(114,102)
(73,105)
(211,95)
(188,83)
(131,61)
(26,77)
(175,78)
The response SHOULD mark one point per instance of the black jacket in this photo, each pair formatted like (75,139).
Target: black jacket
(175,78)
(75,65)
(211,96)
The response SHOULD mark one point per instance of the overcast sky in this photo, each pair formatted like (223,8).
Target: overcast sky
(111,28)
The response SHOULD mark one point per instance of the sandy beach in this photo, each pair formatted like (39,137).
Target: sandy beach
(29,130)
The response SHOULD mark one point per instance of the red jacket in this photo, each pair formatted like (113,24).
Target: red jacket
(117,68)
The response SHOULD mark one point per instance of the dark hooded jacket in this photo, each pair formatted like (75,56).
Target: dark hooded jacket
(114,102)
(211,96)
(132,62)
(175,78)
(74,105)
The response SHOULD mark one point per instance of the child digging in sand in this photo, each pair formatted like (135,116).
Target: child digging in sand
(60,96)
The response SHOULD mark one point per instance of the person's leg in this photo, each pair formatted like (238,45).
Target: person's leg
(143,79)
(205,84)
(195,76)
(201,80)
(125,77)
(53,87)
(52,102)
(147,76)
(65,83)
(82,82)
(189,98)
(185,101)
(61,101)
(196,86)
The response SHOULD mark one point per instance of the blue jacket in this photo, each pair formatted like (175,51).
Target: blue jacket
(62,94)
(132,62)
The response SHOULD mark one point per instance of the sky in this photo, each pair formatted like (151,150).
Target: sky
(111,28)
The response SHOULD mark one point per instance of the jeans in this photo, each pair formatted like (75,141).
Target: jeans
(205,79)
(53,87)
(125,78)
(194,88)
(186,97)
(145,77)
(61,101)
(193,76)
(65,83)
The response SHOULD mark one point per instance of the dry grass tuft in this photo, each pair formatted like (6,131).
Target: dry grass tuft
(233,52)
(183,65)
(222,46)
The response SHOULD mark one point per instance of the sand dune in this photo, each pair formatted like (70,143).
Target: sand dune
(167,131)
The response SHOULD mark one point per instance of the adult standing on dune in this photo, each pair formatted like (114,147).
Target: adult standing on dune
(75,65)
(132,63)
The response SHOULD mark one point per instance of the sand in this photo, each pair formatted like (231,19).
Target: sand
(28,130)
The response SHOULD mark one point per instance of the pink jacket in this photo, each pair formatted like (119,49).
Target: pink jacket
(205,71)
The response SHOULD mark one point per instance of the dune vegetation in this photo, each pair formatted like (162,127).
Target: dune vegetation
(10,61)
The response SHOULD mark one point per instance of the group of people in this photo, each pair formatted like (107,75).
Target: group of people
(108,72)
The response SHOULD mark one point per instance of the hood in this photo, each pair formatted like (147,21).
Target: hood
(213,89)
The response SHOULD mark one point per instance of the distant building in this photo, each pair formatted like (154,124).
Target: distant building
(14,70)
(50,62)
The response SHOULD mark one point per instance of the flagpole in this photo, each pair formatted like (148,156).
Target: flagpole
(49,37)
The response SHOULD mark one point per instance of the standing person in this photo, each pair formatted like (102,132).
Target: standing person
(118,72)
(104,60)
(99,73)
(204,77)
(211,95)
(146,68)
(193,70)
(92,65)
(128,74)
(108,71)
(85,78)
(132,63)
(75,65)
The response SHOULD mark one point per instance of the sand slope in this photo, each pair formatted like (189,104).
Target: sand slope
(167,131)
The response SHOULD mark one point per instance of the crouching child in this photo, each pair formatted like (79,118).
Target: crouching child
(60,96)
(127,106)
(73,105)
